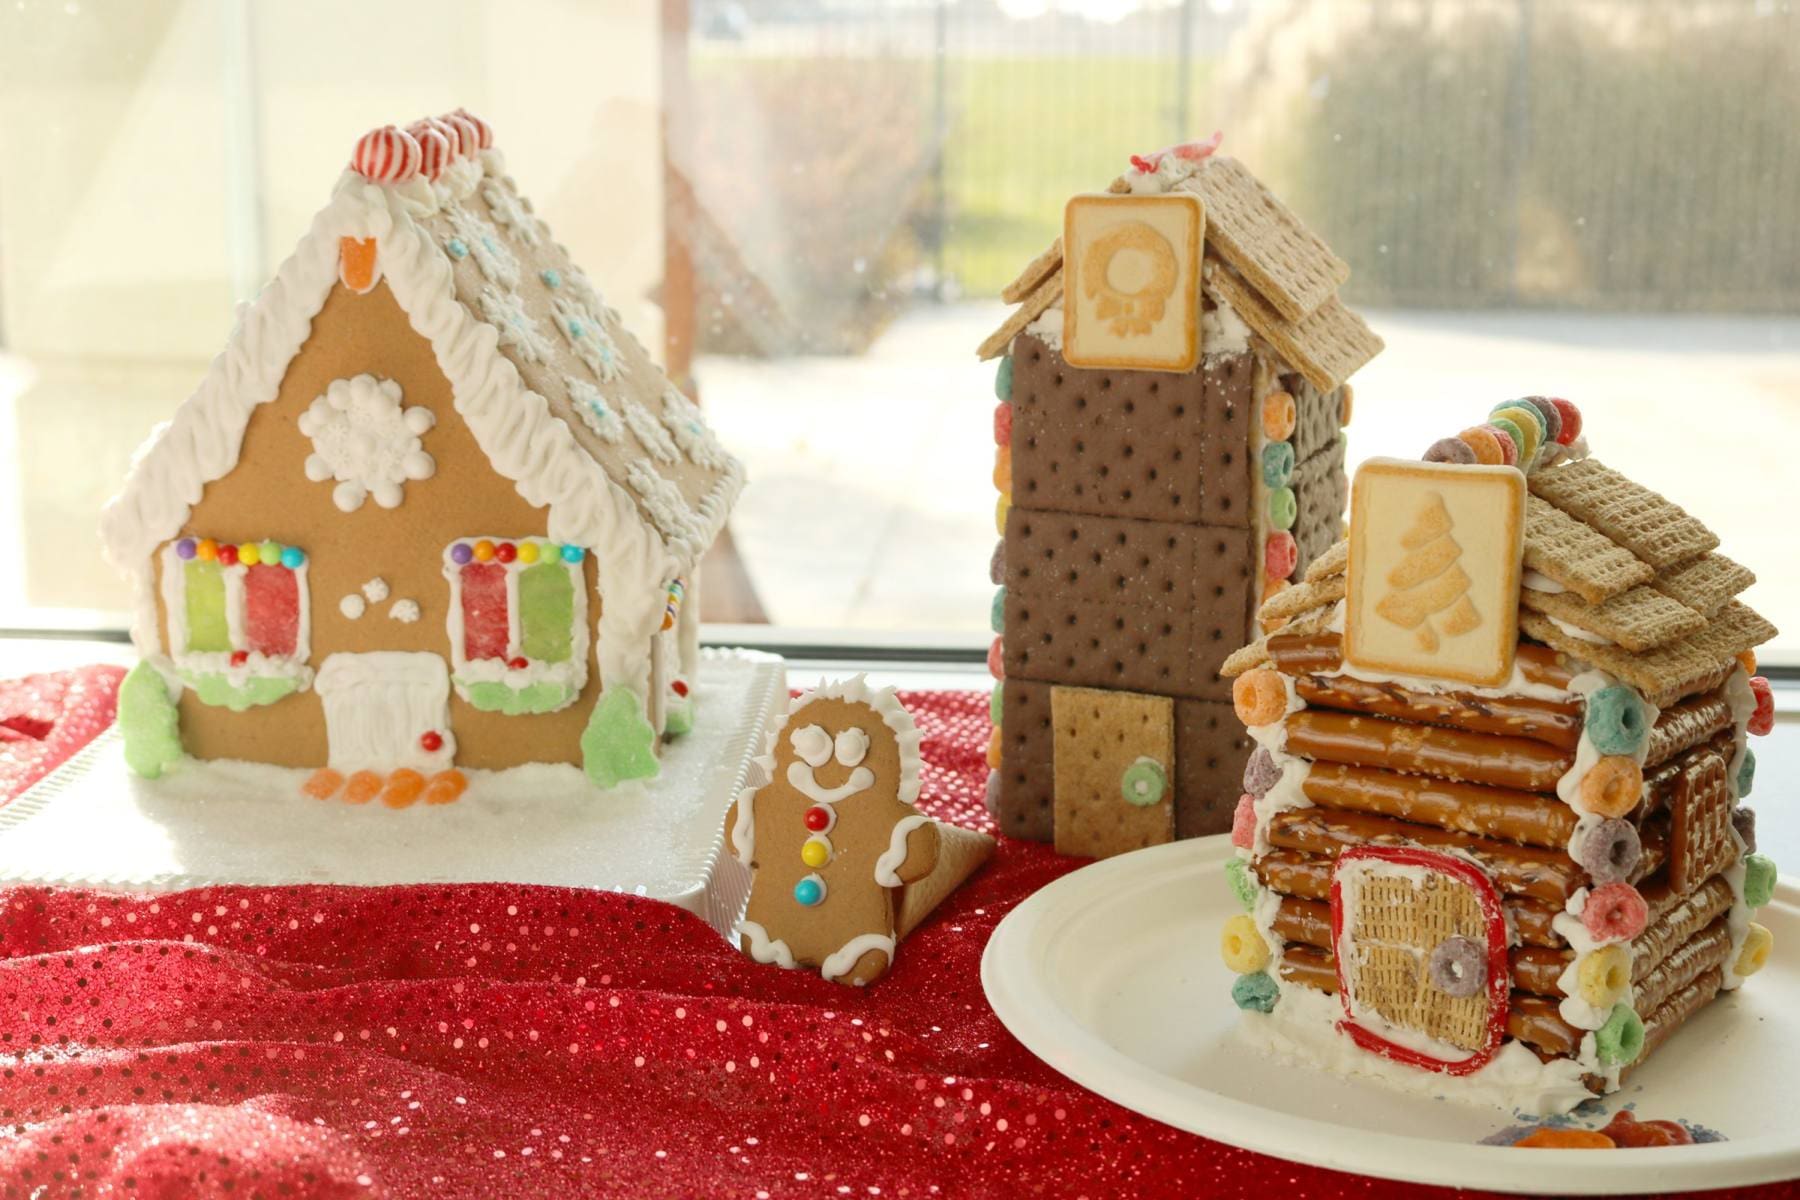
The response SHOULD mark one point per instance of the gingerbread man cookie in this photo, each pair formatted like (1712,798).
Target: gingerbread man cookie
(833,840)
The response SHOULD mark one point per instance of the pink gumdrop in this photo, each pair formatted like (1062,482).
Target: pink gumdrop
(1615,912)
(1243,823)
(1281,554)
(1762,721)
(996,660)
(1003,424)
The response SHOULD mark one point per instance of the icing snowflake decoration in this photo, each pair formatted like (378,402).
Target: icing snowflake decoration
(506,313)
(583,289)
(667,507)
(365,440)
(597,412)
(510,212)
(490,251)
(649,431)
(589,338)
(691,432)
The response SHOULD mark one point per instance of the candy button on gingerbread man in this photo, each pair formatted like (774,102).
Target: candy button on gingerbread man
(842,864)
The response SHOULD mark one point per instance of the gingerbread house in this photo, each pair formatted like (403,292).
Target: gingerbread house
(432,506)
(1492,840)
(1172,387)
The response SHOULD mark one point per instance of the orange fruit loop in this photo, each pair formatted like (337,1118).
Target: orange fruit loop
(1260,697)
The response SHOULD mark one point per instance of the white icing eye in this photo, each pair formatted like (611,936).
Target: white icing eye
(852,746)
(813,745)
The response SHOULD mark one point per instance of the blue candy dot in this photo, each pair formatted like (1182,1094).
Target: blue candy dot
(551,278)
(809,892)
(457,249)
(575,329)
(184,548)
(572,554)
(293,557)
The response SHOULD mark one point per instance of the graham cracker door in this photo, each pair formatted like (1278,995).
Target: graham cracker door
(1115,766)
(382,708)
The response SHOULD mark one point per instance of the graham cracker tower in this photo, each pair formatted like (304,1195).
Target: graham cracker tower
(1172,392)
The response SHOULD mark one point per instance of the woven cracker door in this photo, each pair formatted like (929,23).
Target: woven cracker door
(1420,943)
(1115,770)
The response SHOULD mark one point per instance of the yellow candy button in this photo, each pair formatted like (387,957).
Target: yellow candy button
(528,552)
(816,852)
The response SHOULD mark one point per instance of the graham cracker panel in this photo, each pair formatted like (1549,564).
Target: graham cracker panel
(1111,443)
(1027,761)
(1135,605)
(1211,749)
(1316,416)
(1228,390)
(1321,491)
(1106,740)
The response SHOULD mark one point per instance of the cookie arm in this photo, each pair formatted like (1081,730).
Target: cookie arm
(912,852)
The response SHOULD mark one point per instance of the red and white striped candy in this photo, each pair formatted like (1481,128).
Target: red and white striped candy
(468,137)
(437,142)
(386,155)
(484,132)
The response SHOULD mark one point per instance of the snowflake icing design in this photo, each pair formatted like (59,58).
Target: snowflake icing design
(663,501)
(490,251)
(510,212)
(650,432)
(583,289)
(691,432)
(590,339)
(363,438)
(506,313)
(597,412)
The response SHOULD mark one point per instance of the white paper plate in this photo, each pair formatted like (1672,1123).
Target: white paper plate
(93,822)
(1112,975)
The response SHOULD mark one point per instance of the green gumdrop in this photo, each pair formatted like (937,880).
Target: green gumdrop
(995,704)
(207,630)
(1257,992)
(1621,1039)
(1243,884)
(618,743)
(540,697)
(218,690)
(149,721)
(1746,773)
(997,612)
(1759,880)
(1003,378)
(546,612)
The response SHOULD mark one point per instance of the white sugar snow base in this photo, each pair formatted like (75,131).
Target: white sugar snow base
(92,822)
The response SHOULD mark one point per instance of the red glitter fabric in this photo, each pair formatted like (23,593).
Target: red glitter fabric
(496,1040)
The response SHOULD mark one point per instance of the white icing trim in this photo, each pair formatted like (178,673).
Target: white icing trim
(800,776)
(812,744)
(765,949)
(377,704)
(571,672)
(743,830)
(856,690)
(185,665)
(844,958)
(851,746)
(887,867)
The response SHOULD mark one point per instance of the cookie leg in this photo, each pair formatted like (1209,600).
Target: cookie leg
(871,966)
(755,941)
(860,961)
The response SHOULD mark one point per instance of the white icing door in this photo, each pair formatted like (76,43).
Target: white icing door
(386,709)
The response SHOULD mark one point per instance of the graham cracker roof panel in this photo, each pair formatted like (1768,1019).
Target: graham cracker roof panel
(1047,293)
(1638,620)
(1290,267)
(1706,584)
(1035,272)
(1327,346)
(1578,557)
(1654,529)
(1668,672)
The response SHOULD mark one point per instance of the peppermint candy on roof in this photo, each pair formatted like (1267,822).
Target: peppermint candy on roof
(467,138)
(484,132)
(386,155)
(437,142)
(1189,151)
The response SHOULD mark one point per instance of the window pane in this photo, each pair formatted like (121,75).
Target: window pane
(271,610)
(484,611)
(207,628)
(546,612)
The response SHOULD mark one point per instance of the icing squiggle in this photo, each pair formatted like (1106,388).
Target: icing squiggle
(887,867)
(844,958)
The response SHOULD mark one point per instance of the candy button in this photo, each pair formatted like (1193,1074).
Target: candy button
(250,554)
(1548,1138)
(1260,772)
(1759,880)
(818,818)
(997,612)
(206,550)
(1255,992)
(1003,375)
(1615,912)
(1242,882)
(816,852)
(1621,1039)
(228,554)
(1003,469)
(184,549)
(1450,450)
(1283,508)
(1242,946)
(1002,424)
(996,660)
(1611,787)
(1278,416)
(1616,721)
(1611,850)
(1512,440)
(1243,823)
(1759,943)
(506,552)
(810,891)
(1277,464)
(1457,967)
(573,554)
(270,552)
(1485,445)
(1551,417)
(460,553)
(1260,697)
(1281,554)
(1571,420)
(239,657)
(528,552)
(293,557)
(1143,782)
(1747,773)
(1762,721)
(431,741)
(484,551)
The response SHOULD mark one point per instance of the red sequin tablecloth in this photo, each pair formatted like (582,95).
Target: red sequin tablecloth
(492,1040)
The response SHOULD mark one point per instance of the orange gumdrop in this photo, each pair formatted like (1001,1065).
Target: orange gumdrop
(323,783)
(1003,470)
(1485,445)
(356,263)
(993,750)
(1348,396)
(362,787)
(1545,1138)
(1612,787)
(445,786)
(403,787)
(1260,697)
(1278,416)
(1747,659)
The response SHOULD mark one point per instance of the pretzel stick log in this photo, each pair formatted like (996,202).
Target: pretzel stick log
(1360,741)
(1709,948)
(1554,722)
(1504,813)
(1672,1012)
(1685,726)
(1677,922)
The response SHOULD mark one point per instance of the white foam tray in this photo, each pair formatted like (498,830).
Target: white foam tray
(92,822)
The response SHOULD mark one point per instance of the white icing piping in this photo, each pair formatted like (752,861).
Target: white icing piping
(800,777)
(743,830)
(887,867)
(844,958)
(765,949)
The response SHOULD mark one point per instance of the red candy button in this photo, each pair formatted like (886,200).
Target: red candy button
(431,741)
(818,818)
(518,664)
(239,657)
(679,687)
(228,554)
(506,552)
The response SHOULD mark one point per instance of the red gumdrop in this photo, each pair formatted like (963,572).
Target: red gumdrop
(271,610)
(996,661)
(1243,823)
(1762,721)
(484,611)
(1281,554)
(1571,421)
(1630,1133)
(818,818)
(1003,424)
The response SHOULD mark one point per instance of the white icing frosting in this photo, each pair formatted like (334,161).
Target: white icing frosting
(404,611)
(510,212)
(589,338)
(491,253)
(800,776)
(1579,634)
(375,590)
(596,411)
(656,440)
(378,704)
(765,949)
(1537,581)
(570,673)
(1047,327)
(887,867)
(1222,331)
(691,432)
(352,605)
(1517,686)
(365,440)
(518,329)
(851,746)
(812,744)
(743,829)
(844,958)
(667,507)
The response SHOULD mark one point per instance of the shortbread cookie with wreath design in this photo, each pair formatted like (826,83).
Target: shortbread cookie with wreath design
(843,866)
